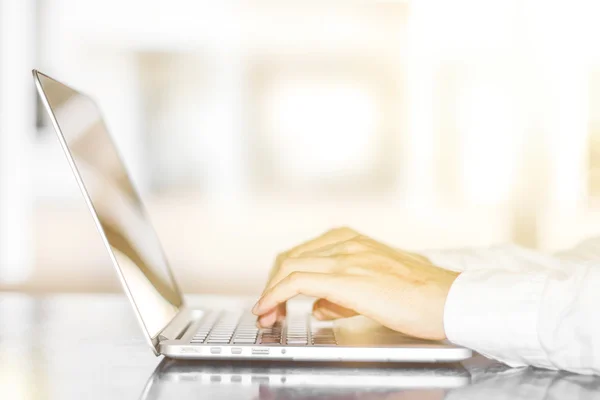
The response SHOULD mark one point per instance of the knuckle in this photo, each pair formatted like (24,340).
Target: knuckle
(355,270)
(294,277)
(287,265)
(336,249)
(294,253)
(358,270)
(354,245)
(341,258)
(364,240)
(343,230)
(281,257)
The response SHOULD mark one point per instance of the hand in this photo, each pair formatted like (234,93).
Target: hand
(352,274)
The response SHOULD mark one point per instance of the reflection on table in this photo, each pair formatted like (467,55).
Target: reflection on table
(275,381)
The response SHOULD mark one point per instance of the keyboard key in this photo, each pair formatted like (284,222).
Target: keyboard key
(270,340)
(217,341)
(244,341)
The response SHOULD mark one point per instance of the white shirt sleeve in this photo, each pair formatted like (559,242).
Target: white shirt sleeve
(526,308)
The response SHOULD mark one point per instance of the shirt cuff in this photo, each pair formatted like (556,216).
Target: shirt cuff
(495,312)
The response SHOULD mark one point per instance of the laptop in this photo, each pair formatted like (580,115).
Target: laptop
(184,380)
(172,328)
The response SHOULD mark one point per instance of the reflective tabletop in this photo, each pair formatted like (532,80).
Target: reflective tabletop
(90,347)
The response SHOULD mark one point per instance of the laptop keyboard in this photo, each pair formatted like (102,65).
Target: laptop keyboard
(233,328)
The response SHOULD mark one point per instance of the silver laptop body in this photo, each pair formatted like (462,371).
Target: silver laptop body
(170,327)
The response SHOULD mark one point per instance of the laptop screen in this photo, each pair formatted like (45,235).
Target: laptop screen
(121,217)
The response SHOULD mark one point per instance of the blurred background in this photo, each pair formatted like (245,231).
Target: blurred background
(249,126)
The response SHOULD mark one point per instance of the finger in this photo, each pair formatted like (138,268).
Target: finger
(292,265)
(302,264)
(329,237)
(280,313)
(267,319)
(339,289)
(353,264)
(350,246)
(326,310)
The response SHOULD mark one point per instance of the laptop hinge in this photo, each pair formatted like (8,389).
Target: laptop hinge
(178,325)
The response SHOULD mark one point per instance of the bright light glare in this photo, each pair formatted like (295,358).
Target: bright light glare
(419,164)
(322,128)
(16,116)
(486,121)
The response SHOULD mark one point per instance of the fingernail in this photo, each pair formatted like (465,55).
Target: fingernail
(256,307)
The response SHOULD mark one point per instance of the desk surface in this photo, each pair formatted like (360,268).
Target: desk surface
(90,347)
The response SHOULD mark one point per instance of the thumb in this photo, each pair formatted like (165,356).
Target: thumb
(326,310)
